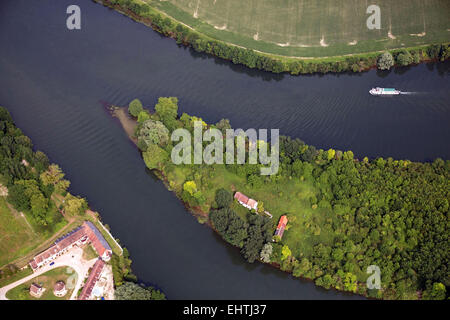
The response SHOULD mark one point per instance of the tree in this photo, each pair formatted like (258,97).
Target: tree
(223,125)
(350,283)
(54,176)
(41,161)
(74,206)
(223,198)
(5,115)
(330,154)
(260,208)
(232,228)
(385,61)
(303,268)
(155,157)
(266,252)
(437,292)
(133,291)
(153,132)
(143,116)
(167,110)
(18,198)
(404,58)
(285,252)
(259,233)
(190,187)
(39,206)
(135,107)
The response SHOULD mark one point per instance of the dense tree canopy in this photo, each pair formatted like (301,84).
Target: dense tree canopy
(167,109)
(29,178)
(133,291)
(385,61)
(153,132)
(352,214)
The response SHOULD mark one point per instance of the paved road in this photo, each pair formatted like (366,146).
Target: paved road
(73,259)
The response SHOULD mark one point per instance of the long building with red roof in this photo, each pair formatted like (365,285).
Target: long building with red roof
(91,281)
(281,226)
(87,232)
(246,201)
(97,241)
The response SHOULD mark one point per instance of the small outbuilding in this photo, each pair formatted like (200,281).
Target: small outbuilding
(281,226)
(59,289)
(36,290)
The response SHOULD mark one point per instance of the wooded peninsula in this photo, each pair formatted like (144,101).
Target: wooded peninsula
(344,214)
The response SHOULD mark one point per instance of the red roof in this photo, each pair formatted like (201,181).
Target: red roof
(97,240)
(59,286)
(283,221)
(34,288)
(46,254)
(33,264)
(240,197)
(70,238)
(281,226)
(92,280)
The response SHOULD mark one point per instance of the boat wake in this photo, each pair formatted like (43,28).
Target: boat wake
(410,92)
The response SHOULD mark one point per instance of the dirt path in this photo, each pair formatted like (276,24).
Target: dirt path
(20,215)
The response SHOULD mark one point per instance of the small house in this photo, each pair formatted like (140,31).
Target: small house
(281,226)
(36,290)
(246,201)
(59,289)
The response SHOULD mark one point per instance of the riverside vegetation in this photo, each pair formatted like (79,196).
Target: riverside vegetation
(344,214)
(148,14)
(37,208)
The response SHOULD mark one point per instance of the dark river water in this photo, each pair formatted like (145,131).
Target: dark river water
(52,80)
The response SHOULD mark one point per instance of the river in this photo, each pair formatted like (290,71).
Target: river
(53,81)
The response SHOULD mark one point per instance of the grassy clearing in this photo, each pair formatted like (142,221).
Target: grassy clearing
(289,196)
(17,237)
(47,281)
(89,253)
(311,28)
(21,236)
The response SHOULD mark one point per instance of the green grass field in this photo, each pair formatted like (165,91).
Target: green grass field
(290,196)
(47,281)
(16,236)
(314,28)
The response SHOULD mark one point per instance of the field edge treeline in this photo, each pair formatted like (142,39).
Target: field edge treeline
(168,26)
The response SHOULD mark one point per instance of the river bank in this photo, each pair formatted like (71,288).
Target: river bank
(163,23)
(114,59)
(30,227)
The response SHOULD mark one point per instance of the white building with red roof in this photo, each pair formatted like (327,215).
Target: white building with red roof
(77,237)
(97,240)
(36,290)
(246,201)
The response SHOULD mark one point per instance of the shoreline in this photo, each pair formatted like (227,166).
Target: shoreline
(16,268)
(275,63)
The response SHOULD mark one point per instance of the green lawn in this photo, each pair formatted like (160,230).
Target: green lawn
(47,281)
(17,237)
(290,196)
(89,253)
(314,28)
(15,277)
